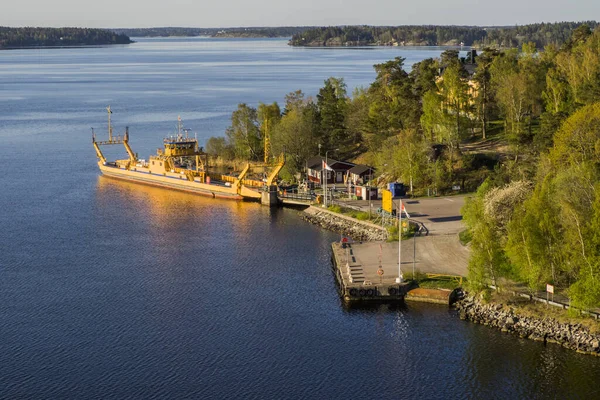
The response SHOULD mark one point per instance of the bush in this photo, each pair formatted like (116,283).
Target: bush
(335,209)
(392,233)
(362,216)
(465,237)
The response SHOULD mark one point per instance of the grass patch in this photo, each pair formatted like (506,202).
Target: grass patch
(362,216)
(438,284)
(432,283)
(349,212)
(335,208)
(407,234)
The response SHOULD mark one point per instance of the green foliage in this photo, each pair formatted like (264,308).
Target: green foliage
(218,146)
(536,217)
(279,31)
(296,132)
(430,35)
(465,237)
(332,104)
(244,134)
(453,90)
(488,261)
(423,76)
(404,158)
(362,216)
(438,284)
(335,208)
(392,233)
(485,103)
(394,105)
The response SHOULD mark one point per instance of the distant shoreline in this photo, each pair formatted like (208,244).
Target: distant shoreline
(74,46)
(32,37)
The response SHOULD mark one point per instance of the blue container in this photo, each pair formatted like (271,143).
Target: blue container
(397,189)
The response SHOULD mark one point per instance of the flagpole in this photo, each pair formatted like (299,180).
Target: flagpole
(325,179)
(399,279)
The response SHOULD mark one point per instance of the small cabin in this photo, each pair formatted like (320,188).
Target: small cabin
(339,169)
(361,174)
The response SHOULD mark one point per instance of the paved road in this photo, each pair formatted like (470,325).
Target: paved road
(441,215)
(439,252)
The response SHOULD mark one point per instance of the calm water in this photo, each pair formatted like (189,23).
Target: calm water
(114,290)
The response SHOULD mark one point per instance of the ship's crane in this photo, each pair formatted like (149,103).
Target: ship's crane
(267,142)
(276,169)
(124,140)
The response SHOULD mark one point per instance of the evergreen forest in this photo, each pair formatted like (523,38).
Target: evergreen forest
(542,34)
(279,31)
(42,37)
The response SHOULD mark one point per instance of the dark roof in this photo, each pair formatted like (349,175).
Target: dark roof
(334,162)
(470,68)
(316,162)
(361,169)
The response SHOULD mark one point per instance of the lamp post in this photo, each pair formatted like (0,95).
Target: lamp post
(325,180)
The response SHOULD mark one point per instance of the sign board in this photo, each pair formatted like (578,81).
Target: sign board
(380,272)
(549,288)
(386,201)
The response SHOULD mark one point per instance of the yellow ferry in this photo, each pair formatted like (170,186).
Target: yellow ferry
(180,165)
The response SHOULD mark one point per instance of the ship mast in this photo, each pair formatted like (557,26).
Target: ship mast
(109,125)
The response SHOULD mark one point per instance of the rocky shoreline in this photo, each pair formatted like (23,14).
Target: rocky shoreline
(357,230)
(548,330)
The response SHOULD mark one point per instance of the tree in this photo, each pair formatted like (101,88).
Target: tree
(484,99)
(579,64)
(423,76)
(453,90)
(552,237)
(433,120)
(488,261)
(296,133)
(243,134)
(393,105)
(218,147)
(357,123)
(332,104)
(404,157)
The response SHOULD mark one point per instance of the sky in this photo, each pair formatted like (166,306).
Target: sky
(233,13)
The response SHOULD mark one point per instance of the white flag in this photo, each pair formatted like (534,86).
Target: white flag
(404,209)
(327,167)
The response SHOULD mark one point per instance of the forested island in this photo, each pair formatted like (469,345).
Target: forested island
(541,34)
(521,127)
(282,31)
(47,37)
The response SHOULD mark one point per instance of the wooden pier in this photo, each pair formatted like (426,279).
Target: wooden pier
(365,282)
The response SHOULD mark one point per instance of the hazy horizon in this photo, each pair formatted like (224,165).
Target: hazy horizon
(281,26)
(272,13)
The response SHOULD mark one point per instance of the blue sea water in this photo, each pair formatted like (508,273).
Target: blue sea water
(114,290)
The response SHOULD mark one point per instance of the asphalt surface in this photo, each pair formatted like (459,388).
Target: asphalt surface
(438,252)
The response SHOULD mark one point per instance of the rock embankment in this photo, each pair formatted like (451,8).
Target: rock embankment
(357,230)
(548,330)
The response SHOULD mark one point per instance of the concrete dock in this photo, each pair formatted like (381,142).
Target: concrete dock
(440,252)
(360,282)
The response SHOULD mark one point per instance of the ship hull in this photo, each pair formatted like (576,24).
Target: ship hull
(177,182)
